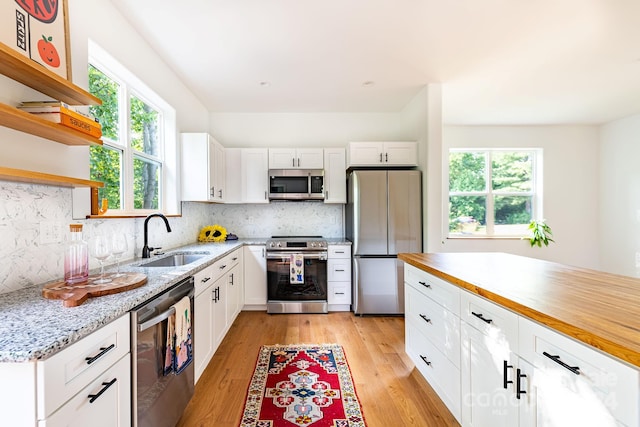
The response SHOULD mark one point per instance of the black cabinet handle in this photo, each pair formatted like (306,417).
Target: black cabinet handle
(425,284)
(519,376)
(479,316)
(386,157)
(556,358)
(223,266)
(424,359)
(339,293)
(103,351)
(93,397)
(380,157)
(205,280)
(505,376)
(425,318)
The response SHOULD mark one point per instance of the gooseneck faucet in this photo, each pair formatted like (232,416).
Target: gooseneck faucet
(146,250)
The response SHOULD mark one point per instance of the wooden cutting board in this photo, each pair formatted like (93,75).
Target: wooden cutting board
(75,295)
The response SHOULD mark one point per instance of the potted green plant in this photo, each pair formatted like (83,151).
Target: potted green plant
(540,233)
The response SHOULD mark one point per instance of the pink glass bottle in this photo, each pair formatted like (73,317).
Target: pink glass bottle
(76,257)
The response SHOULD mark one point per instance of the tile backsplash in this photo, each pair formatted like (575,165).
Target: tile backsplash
(32,217)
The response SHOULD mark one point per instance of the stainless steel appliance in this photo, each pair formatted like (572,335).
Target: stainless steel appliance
(158,399)
(296,184)
(383,218)
(284,295)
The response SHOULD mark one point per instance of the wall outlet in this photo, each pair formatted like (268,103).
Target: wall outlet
(50,232)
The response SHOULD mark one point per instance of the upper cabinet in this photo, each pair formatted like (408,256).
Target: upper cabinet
(335,177)
(382,154)
(296,158)
(247,176)
(203,168)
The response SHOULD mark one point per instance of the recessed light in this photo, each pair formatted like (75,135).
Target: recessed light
(265,83)
(368,83)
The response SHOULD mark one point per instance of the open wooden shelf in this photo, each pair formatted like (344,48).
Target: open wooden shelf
(30,123)
(21,175)
(22,69)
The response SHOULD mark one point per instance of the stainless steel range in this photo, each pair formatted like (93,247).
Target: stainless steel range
(297,274)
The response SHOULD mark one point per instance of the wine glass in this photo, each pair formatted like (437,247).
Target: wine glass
(118,248)
(101,250)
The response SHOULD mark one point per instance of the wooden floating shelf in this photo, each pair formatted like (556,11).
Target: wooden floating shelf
(21,175)
(30,123)
(28,72)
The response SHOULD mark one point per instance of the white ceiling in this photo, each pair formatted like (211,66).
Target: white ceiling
(499,61)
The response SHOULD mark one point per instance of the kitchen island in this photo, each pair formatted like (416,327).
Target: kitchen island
(511,340)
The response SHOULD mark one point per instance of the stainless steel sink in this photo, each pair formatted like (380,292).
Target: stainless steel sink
(174,260)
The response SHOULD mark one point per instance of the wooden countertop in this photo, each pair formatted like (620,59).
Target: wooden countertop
(597,308)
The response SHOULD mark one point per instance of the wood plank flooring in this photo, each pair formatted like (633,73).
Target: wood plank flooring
(391,391)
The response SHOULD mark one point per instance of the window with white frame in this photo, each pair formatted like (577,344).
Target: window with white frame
(493,192)
(133,161)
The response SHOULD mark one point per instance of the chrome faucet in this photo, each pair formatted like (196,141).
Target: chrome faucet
(146,250)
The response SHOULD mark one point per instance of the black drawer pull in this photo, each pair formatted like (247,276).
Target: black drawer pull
(424,359)
(206,279)
(339,293)
(425,284)
(505,376)
(479,316)
(93,397)
(519,376)
(556,358)
(103,351)
(425,318)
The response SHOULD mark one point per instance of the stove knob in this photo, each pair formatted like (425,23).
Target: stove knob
(279,244)
(313,244)
(271,244)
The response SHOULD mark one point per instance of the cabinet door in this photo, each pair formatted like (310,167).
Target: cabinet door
(105,402)
(282,158)
(364,154)
(335,176)
(400,154)
(255,175)
(197,167)
(233,175)
(236,296)
(220,310)
(487,364)
(203,331)
(310,158)
(255,276)
(218,172)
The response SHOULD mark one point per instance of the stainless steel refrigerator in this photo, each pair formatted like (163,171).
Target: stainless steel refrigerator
(383,218)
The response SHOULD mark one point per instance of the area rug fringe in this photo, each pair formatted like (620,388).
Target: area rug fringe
(291,385)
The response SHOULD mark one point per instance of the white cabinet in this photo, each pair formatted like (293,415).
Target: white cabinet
(203,319)
(339,277)
(247,175)
(296,158)
(203,168)
(382,154)
(255,277)
(335,175)
(88,380)
(432,333)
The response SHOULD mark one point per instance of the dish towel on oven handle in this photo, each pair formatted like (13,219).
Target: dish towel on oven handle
(183,350)
(169,345)
(296,262)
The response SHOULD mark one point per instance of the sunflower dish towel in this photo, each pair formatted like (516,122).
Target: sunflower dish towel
(212,233)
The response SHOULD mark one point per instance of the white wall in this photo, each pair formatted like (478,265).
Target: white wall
(570,199)
(620,196)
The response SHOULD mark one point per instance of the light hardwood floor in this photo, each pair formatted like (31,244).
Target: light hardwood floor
(391,391)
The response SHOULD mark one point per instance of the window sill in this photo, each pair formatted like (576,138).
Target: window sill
(487,237)
(127,215)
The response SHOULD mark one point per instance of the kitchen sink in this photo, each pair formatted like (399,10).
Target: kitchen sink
(175,260)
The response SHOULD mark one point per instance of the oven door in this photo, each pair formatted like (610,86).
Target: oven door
(313,286)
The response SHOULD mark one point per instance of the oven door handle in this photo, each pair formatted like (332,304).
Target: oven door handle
(286,256)
(157,319)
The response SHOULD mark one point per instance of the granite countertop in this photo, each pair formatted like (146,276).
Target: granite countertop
(34,328)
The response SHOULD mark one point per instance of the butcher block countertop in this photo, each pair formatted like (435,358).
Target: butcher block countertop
(597,308)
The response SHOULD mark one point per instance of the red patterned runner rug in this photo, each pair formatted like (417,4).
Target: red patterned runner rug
(302,385)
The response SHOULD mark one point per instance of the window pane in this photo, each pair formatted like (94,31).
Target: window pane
(106,164)
(146,183)
(107,90)
(467,214)
(466,172)
(144,128)
(512,214)
(512,171)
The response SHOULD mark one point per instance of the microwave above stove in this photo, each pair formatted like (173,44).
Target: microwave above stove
(296,184)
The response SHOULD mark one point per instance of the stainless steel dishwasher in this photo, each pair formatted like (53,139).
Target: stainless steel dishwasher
(158,398)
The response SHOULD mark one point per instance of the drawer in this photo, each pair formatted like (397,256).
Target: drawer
(202,279)
(434,366)
(339,251)
(64,374)
(498,323)
(339,292)
(339,270)
(435,322)
(577,379)
(445,294)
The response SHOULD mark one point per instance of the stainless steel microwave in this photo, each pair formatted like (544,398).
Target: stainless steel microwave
(296,184)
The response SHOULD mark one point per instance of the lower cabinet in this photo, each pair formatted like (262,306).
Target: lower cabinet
(339,277)
(255,277)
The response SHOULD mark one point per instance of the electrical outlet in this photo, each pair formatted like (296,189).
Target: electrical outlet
(50,232)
